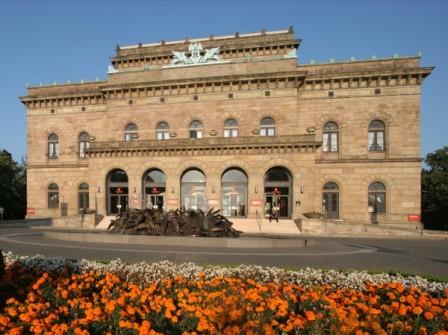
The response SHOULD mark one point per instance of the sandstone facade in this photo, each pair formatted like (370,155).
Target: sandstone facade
(255,76)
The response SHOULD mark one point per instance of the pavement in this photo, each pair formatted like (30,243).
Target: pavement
(414,255)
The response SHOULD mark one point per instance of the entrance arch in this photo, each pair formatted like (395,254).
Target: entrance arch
(117,191)
(192,189)
(154,188)
(234,192)
(278,192)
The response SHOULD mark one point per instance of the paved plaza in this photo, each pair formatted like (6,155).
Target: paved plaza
(422,256)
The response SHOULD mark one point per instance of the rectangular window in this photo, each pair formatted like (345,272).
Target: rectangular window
(53,150)
(53,199)
(376,140)
(83,146)
(83,200)
(195,134)
(378,202)
(163,135)
(334,142)
(230,132)
(326,142)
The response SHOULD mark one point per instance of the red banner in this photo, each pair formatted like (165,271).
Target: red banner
(172,202)
(414,218)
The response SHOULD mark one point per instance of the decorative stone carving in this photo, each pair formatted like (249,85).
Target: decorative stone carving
(111,69)
(291,54)
(195,55)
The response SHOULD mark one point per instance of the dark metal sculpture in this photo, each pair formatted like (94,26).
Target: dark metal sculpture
(179,222)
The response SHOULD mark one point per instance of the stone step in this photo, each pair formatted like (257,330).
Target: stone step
(105,222)
(244,225)
(253,226)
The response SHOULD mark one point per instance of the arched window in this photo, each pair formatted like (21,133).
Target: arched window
(196,129)
(234,192)
(230,128)
(53,196)
(53,146)
(154,187)
(83,196)
(117,191)
(192,189)
(330,137)
(131,132)
(267,127)
(376,135)
(277,192)
(163,131)
(84,143)
(330,200)
(377,197)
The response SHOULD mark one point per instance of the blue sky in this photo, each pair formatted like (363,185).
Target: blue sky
(48,41)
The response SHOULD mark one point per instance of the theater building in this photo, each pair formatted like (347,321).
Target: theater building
(233,122)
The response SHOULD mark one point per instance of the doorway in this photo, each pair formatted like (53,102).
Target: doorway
(277,193)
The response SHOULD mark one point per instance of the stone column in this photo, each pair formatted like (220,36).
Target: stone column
(255,194)
(172,193)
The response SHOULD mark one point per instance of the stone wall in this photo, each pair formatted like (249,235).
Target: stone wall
(300,98)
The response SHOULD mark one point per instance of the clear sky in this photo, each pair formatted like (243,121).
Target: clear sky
(48,41)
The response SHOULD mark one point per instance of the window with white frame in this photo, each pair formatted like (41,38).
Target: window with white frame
(53,146)
(131,132)
(267,127)
(376,136)
(330,137)
(230,128)
(163,131)
(84,144)
(196,129)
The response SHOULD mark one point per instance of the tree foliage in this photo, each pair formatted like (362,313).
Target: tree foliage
(12,186)
(435,190)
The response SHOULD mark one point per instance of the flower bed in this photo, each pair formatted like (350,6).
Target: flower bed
(55,296)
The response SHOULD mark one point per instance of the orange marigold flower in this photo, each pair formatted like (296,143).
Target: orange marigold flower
(16,331)
(310,316)
(428,315)
(11,311)
(417,310)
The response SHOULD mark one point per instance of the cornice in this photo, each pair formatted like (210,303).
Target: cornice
(206,146)
(370,160)
(237,79)
(165,55)
(57,165)
(173,87)
(366,79)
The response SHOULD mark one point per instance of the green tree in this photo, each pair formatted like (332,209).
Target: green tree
(12,186)
(435,190)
